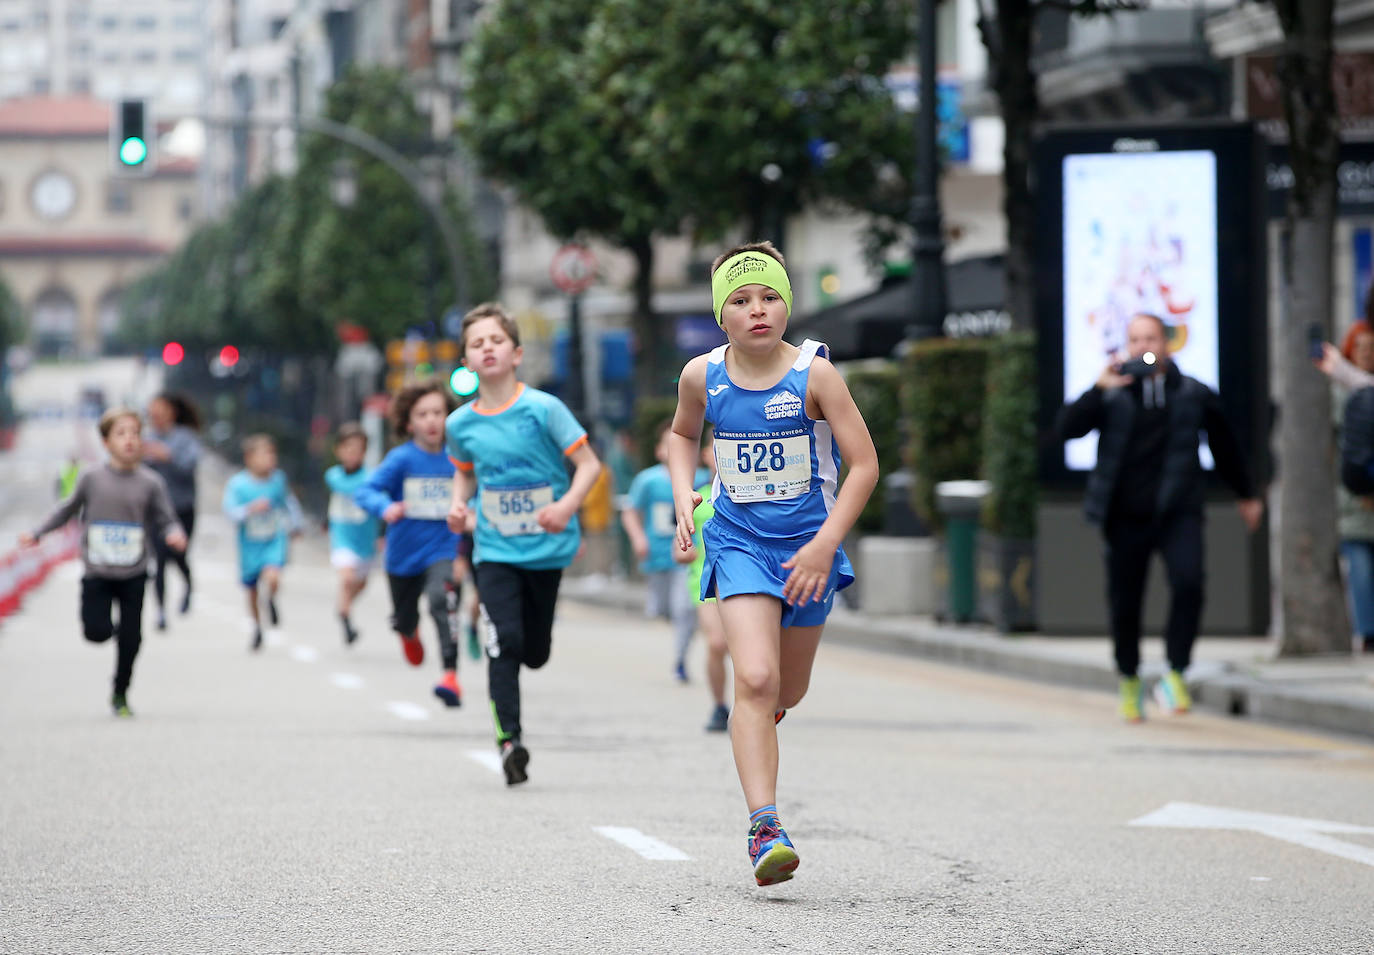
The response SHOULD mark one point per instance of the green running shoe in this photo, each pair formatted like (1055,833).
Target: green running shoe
(1171,693)
(1131,705)
(120,704)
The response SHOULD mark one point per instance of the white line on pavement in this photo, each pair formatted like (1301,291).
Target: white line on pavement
(305,654)
(346,681)
(647,846)
(487,758)
(408,711)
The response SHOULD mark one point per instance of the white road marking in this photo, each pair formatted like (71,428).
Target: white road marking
(1311,833)
(408,711)
(1260,878)
(487,758)
(305,654)
(646,846)
(346,681)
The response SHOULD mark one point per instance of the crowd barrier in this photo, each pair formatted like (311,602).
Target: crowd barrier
(23,569)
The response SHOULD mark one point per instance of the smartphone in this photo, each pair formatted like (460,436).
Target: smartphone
(1315,341)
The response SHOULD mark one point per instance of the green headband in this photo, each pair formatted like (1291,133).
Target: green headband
(749,268)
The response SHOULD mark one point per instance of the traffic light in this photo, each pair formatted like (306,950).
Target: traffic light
(463,381)
(132,138)
(228,356)
(173,353)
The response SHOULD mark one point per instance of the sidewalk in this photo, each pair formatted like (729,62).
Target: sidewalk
(1231,675)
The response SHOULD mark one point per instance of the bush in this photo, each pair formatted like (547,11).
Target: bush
(875,391)
(650,413)
(942,402)
(1009,436)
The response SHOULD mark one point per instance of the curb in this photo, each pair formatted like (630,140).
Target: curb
(1226,689)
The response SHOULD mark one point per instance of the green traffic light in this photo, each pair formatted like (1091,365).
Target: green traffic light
(133,151)
(462,381)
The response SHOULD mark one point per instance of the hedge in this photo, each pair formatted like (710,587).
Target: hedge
(876,392)
(1009,437)
(942,399)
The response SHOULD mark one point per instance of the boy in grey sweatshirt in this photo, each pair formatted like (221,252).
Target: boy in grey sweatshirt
(119,504)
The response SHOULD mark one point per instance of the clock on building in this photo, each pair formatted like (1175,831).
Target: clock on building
(53,194)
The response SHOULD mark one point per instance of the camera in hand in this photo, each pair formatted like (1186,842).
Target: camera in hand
(1141,367)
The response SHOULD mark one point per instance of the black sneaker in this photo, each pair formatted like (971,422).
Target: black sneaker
(272,611)
(720,719)
(257,639)
(120,704)
(350,635)
(514,759)
(186,603)
(161,619)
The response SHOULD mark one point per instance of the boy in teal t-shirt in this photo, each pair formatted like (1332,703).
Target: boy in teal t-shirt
(352,531)
(512,446)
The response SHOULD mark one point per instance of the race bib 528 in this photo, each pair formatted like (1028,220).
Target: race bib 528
(764,469)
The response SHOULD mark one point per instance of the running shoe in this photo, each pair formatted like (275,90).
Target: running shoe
(448,690)
(720,719)
(161,619)
(272,614)
(186,602)
(120,703)
(680,673)
(413,648)
(474,645)
(771,852)
(1171,693)
(1131,705)
(778,715)
(514,759)
(350,635)
(257,639)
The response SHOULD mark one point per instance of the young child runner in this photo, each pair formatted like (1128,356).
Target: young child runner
(260,502)
(410,491)
(117,503)
(649,523)
(512,446)
(708,616)
(782,417)
(352,531)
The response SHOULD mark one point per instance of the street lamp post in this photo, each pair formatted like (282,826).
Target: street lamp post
(928,250)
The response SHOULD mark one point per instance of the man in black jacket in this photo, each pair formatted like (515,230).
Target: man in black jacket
(1146,492)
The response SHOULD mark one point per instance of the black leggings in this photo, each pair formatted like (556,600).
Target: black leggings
(517,622)
(163,553)
(442,591)
(98,597)
(1178,538)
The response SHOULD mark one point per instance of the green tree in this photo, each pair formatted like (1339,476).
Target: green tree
(625,119)
(11,319)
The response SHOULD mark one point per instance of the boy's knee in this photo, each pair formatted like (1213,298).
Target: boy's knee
(790,696)
(756,681)
(96,633)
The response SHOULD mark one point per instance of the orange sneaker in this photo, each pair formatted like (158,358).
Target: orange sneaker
(448,690)
(413,648)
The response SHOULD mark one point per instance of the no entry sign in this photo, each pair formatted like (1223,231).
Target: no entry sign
(573,268)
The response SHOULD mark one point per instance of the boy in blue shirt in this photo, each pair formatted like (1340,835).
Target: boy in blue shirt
(512,446)
(260,502)
(410,492)
(782,416)
(650,525)
(352,531)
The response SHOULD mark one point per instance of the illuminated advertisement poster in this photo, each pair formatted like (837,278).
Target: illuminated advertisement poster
(1140,235)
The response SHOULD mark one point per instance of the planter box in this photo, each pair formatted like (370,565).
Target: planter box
(1006,582)
(897,575)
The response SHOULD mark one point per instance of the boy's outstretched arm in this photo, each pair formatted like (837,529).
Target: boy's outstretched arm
(60,515)
(684,446)
(810,565)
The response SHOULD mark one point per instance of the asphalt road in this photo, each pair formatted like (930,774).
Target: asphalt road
(317,798)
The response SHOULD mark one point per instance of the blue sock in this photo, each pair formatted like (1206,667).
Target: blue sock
(769,810)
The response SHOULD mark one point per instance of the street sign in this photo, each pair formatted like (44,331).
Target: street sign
(573,268)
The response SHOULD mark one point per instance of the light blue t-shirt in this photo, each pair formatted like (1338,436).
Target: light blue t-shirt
(350,527)
(424,481)
(519,456)
(262,534)
(651,494)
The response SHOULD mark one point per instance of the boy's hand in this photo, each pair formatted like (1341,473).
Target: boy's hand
(686,526)
(177,540)
(27,540)
(394,512)
(554,518)
(260,505)
(810,568)
(640,545)
(461,519)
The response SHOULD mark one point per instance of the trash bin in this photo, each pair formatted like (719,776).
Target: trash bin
(899,516)
(961,503)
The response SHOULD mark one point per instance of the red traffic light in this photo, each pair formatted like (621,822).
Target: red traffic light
(173,353)
(228,356)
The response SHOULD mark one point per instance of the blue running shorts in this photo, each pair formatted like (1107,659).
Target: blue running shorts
(739,563)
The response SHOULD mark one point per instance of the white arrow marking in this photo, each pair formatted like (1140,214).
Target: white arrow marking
(305,654)
(346,681)
(407,711)
(487,758)
(1293,829)
(647,846)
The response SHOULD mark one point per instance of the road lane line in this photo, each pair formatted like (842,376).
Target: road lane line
(305,654)
(407,711)
(487,758)
(646,846)
(346,681)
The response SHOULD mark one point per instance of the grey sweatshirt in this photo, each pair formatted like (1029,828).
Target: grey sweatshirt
(180,471)
(119,510)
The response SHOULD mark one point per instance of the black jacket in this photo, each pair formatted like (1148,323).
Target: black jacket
(1147,463)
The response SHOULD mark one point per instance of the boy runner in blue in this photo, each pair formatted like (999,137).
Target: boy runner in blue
(410,491)
(260,502)
(117,504)
(512,446)
(782,415)
(352,531)
(649,523)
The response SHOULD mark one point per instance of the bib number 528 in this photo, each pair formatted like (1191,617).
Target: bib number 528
(760,456)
